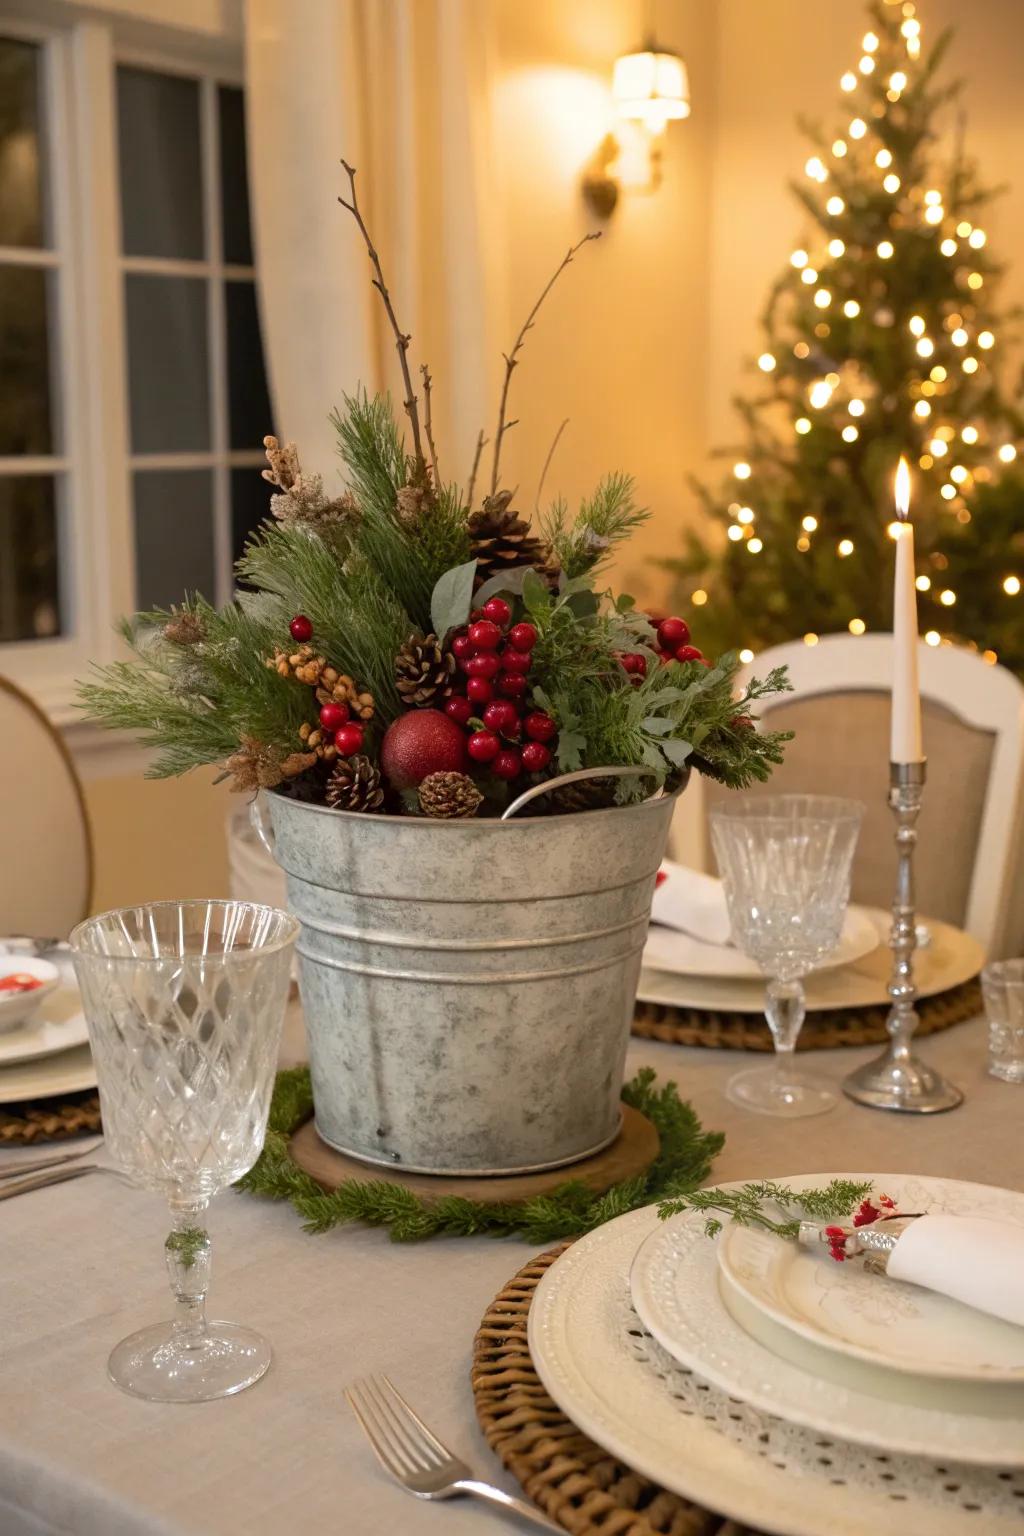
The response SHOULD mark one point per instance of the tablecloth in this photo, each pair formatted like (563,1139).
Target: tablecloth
(81,1265)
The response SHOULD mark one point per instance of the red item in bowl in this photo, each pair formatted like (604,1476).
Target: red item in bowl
(19,981)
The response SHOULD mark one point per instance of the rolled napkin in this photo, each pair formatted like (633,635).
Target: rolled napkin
(691,901)
(973,1259)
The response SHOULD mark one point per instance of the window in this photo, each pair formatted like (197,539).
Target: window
(133,392)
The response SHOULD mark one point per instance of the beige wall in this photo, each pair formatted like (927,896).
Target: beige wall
(157,839)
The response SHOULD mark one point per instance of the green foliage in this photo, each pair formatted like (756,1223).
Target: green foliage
(684,1160)
(746,1206)
(861,341)
(604,520)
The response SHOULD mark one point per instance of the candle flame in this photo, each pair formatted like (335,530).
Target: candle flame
(902,490)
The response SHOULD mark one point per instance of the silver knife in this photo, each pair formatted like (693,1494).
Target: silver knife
(44,1180)
(19,1169)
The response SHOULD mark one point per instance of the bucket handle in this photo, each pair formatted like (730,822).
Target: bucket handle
(260,822)
(576,777)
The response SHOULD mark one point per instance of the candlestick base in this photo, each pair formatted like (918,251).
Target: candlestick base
(900,1082)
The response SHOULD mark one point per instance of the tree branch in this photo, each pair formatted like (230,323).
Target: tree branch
(481,440)
(401,340)
(428,422)
(510,357)
(547,462)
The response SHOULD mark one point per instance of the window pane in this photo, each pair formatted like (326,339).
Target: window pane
(234,182)
(30,597)
(22,152)
(174,551)
(248,399)
(250,505)
(161,173)
(168,379)
(26,424)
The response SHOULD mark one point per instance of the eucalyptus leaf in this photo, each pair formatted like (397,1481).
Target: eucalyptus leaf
(452,598)
(651,755)
(624,603)
(510,582)
(570,750)
(583,604)
(657,725)
(676,751)
(535,593)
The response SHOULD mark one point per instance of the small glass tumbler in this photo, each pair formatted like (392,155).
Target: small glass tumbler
(1002,984)
(785,862)
(185,1001)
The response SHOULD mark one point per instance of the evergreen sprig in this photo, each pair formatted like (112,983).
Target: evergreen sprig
(684,1161)
(749,1205)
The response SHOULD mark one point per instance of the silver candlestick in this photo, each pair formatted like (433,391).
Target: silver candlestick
(897,1079)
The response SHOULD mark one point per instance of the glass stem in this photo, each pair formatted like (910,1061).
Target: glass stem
(785,1007)
(187,1251)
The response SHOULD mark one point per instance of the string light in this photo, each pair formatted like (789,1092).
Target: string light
(734,532)
(816,169)
(935,214)
(932,197)
(869,42)
(844,548)
(947,492)
(938,373)
(839,148)
(938,447)
(848,82)
(1011,585)
(949,247)
(741,471)
(746,656)
(959,337)
(798,259)
(977,238)
(755,546)
(947,598)
(808,275)
(975,281)
(823,298)
(745,515)
(851,309)
(926,461)
(835,206)
(911,29)
(958,474)
(898,81)
(964,228)
(1007,453)
(836,247)
(885,249)
(858,128)
(810,638)
(802,425)
(894,530)
(867,65)
(922,583)
(989,656)
(801,350)
(803,543)
(857,626)
(917,325)
(809,523)
(970,365)
(891,183)
(820,394)
(766,362)
(850,434)
(922,409)
(883,159)
(986,339)
(699,598)
(933,637)
(925,347)
(927,387)
(856,407)
(969,434)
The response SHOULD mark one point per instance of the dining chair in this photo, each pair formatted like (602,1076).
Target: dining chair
(969,865)
(46,851)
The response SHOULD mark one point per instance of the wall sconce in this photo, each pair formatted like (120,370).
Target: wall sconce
(650,89)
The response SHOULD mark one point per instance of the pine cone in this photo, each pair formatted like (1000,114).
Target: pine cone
(355,785)
(424,671)
(184,627)
(501,540)
(257,765)
(584,795)
(448,795)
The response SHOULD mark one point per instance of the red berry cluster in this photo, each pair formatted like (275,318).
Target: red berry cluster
(494,657)
(674,642)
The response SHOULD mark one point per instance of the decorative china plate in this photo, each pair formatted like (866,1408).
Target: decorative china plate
(65,1072)
(58,1023)
(840,1307)
(675,1288)
(680,954)
(615,1382)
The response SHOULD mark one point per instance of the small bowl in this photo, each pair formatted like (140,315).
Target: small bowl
(16,1008)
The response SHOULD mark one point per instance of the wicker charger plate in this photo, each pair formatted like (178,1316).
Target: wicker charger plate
(23,1125)
(588,1491)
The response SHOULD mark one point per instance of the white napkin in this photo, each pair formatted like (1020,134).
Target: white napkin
(974,1259)
(689,900)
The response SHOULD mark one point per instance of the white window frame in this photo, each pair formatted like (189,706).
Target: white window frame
(90,368)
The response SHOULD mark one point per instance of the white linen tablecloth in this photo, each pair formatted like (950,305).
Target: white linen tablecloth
(81,1265)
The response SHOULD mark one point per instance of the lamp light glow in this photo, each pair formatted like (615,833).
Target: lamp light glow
(652,88)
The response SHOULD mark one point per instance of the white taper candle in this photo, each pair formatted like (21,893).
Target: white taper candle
(905,738)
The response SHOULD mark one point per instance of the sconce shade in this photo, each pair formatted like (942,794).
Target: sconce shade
(651,87)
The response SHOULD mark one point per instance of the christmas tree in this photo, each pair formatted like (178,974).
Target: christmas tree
(881,339)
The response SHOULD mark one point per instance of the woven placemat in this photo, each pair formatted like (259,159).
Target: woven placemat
(821,1030)
(573,1480)
(22,1125)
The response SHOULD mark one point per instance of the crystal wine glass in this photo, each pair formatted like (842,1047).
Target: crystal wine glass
(185,1002)
(785,862)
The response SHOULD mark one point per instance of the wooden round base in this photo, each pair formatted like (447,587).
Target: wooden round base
(632,1152)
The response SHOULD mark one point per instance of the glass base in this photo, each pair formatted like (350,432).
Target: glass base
(154,1364)
(790,1095)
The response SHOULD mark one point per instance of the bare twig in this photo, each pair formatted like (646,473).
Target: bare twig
(511,357)
(481,440)
(547,462)
(401,339)
(428,422)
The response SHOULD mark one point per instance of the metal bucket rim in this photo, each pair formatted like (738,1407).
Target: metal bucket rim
(465,822)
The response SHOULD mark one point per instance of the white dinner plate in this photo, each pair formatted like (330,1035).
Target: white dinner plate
(951,958)
(842,1308)
(622,1389)
(675,1288)
(57,1025)
(66,1072)
(680,954)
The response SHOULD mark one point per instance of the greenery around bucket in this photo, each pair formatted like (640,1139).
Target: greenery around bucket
(687,1152)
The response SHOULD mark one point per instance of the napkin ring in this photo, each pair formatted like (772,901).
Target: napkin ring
(874,1243)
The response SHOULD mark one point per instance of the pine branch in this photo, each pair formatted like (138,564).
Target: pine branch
(747,1206)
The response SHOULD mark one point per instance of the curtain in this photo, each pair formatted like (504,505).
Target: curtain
(400,89)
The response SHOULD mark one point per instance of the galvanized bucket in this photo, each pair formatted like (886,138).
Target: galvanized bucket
(468,986)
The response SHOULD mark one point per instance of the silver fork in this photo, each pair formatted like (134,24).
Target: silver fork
(415,1457)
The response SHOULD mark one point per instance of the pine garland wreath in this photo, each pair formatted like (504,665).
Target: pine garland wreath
(684,1161)
(449,796)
